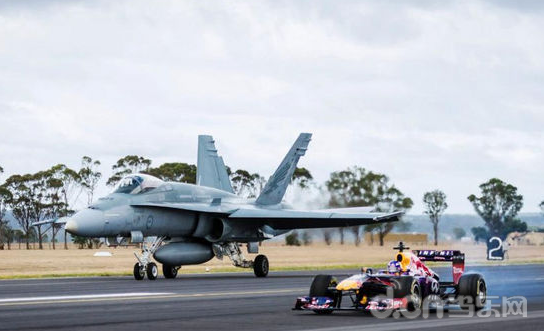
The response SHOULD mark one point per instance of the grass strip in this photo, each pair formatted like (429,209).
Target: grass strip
(281,268)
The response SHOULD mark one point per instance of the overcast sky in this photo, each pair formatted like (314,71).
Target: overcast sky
(434,94)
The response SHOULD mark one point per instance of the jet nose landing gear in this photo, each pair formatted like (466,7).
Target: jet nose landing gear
(139,271)
(150,270)
(144,266)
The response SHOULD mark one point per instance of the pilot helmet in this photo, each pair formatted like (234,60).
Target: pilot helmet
(394,267)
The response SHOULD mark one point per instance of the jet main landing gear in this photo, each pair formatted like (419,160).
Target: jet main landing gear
(260,266)
(232,250)
(170,271)
(144,266)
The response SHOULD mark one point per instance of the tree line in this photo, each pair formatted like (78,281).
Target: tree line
(53,193)
(47,194)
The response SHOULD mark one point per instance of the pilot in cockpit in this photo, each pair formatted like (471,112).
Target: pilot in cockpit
(137,183)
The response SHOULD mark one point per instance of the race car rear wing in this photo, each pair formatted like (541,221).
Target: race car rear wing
(433,255)
(455,257)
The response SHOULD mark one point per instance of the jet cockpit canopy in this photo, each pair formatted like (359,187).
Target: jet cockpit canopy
(137,183)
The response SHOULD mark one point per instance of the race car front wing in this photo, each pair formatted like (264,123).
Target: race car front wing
(328,304)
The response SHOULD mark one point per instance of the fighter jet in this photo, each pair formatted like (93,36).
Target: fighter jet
(182,224)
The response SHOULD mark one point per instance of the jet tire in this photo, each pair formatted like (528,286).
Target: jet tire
(169,271)
(152,271)
(139,272)
(260,266)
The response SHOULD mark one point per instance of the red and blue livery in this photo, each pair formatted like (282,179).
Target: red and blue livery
(405,284)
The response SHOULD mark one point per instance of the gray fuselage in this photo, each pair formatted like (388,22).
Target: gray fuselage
(118,215)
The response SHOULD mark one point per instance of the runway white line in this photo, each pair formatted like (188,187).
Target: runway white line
(26,284)
(85,296)
(144,295)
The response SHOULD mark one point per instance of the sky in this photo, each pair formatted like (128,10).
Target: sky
(434,94)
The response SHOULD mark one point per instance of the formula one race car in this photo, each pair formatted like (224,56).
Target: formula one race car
(405,284)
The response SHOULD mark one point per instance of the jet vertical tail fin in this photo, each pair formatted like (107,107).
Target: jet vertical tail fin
(210,168)
(276,186)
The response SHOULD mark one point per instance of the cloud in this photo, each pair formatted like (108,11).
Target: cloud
(436,95)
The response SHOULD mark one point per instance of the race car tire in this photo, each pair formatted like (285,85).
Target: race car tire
(320,288)
(408,287)
(169,271)
(472,287)
(152,271)
(139,272)
(260,266)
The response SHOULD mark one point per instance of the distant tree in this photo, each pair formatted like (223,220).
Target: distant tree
(292,239)
(435,205)
(327,235)
(358,187)
(341,232)
(81,242)
(61,189)
(33,198)
(129,164)
(514,225)
(403,226)
(86,243)
(247,184)
(66,182)
(459,233)
(302,178)
(5,229)
(356,230)
(397,202)
(89,176)
(50,200)
(6,235)
(479,233)
(175,172)
(23,201)
(541,205)
(346,189)
(498,206)
(306,237)
(18,236)
(33,236)
(53,197)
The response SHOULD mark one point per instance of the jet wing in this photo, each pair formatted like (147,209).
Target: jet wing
(284,219)
(297,219)
(196,207)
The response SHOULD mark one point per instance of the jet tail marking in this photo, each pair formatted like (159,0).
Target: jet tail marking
(276,186)
(210,169)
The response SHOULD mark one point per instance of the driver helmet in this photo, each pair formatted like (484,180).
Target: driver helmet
(394,267)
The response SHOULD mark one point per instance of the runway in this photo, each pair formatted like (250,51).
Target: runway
(235,301)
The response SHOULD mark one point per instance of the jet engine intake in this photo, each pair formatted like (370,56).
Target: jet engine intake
(219,230)
(212,229)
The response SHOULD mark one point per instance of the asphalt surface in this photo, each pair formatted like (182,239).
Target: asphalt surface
(235,302)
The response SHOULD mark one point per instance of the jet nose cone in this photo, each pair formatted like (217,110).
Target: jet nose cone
(71,226)
(87,223)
